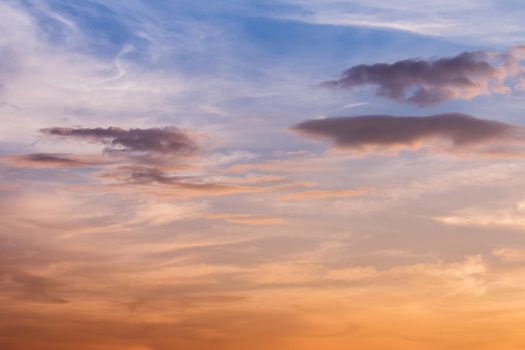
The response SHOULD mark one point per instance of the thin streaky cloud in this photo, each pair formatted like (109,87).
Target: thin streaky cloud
(325,193)
(54,160)
(479,21)
(247,219)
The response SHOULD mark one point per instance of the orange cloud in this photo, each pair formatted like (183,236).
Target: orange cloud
(325,193)
(55,160)
(247,219)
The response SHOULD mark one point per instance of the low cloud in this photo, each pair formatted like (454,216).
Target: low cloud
(450,132)
(426,82)
(168,140)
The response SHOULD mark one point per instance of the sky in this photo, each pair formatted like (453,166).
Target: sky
(262,174)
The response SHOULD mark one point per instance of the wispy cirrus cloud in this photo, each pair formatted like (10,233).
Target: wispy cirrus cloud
(479,21)
(426,82)
(386,133)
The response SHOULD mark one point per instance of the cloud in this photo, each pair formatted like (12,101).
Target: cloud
(247,219)
(509,255)
(20,278)
(156,181)
(426,82)
(31,287)
(155,213)
(168,140)
(470,21)
(459,132)
(52,160)
(508,216)
(142,175)
(325,193)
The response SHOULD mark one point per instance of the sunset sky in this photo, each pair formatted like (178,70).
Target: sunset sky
(262,175)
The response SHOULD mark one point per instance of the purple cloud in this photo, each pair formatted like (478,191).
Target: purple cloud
(386,132)
(168,140)
(426,82)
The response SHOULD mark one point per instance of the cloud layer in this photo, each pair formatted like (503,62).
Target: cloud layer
(152,238)
(386,132)
(426,82)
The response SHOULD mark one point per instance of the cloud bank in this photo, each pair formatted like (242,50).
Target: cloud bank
(386,133)
(426,82)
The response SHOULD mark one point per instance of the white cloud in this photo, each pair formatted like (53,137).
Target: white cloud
(485,21)
(510,216)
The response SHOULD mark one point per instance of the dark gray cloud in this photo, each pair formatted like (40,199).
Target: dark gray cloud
(168,140)
(393,132)
(425,82)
